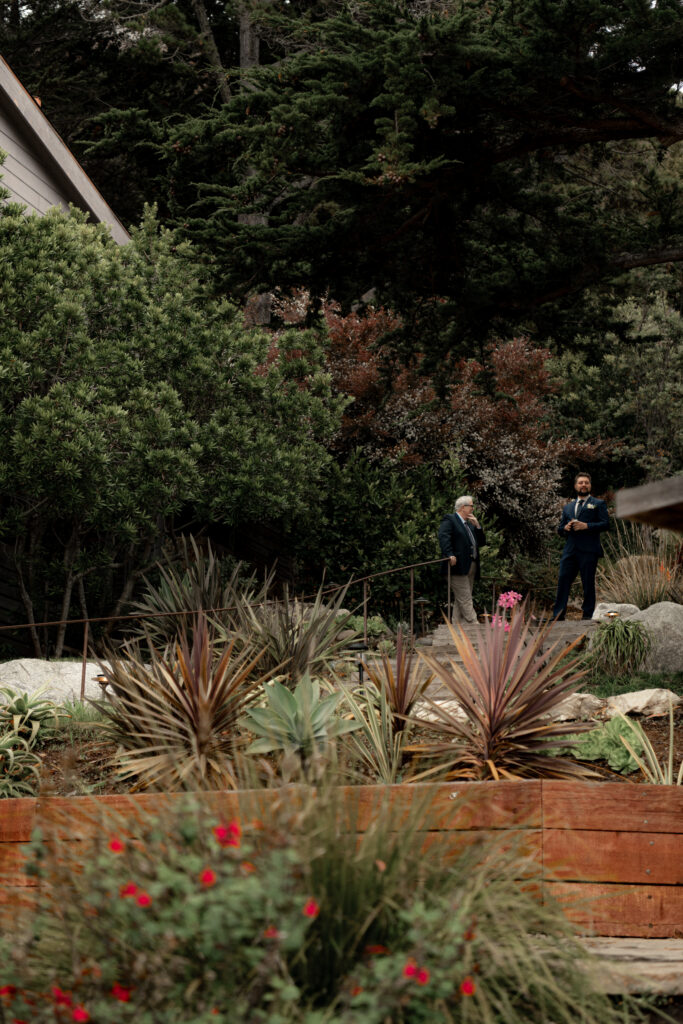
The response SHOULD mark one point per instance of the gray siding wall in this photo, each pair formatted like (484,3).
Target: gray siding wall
(27,180)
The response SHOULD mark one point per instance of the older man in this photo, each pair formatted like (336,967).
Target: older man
(460,538)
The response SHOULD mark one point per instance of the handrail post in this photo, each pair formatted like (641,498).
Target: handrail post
(412,606)
(365,611)
(85,659)
(448,584)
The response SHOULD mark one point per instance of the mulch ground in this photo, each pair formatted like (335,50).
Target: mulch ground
(85,767)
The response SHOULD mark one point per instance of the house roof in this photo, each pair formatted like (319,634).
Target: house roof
(40,171)
(659,503)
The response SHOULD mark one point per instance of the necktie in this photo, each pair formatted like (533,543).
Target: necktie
(579,506)
(474,546)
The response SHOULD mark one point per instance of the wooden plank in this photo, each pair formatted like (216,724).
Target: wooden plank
(654,911)
(600,806)
(654,858)
(17,819)
(659,503)
(453,805)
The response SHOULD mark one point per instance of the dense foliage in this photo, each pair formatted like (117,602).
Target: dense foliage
(129,397)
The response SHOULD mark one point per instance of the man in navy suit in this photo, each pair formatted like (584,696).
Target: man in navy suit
(460,537)
(582,522)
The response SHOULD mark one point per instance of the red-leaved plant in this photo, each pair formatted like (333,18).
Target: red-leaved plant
(507,687)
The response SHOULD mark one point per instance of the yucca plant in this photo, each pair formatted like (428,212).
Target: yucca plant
(175,718)
(294,638)
(507,690)
(297,722)
(195,584)
(378,748)
(658,773)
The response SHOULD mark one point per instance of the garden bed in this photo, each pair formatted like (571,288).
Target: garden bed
(612,856)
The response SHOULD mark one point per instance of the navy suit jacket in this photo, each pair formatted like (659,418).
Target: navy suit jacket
(594,514)
(454,540)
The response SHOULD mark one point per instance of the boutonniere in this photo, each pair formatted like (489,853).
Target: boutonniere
(590,505)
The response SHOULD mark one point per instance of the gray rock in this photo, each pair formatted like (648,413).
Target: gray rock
(578,707)
(60,680)
(624,611)
(643,702)
(664,623)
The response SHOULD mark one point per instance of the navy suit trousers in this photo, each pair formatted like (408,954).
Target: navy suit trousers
(571,565)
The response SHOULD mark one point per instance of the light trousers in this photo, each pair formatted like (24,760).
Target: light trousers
(461,591)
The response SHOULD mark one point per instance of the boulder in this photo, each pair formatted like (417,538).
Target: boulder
(59,680)
(644,702)
(624,611)
(578,707)
(664,623)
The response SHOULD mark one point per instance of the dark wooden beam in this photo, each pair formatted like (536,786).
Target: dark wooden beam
(658,504)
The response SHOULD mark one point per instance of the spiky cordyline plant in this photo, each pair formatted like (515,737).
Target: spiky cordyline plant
(175,719)
(506,689)
(403,684)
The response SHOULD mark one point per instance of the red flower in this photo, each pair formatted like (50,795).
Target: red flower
(410,969)
(356,991)
(129,889)
(271,932)
(247,867)
(311,909)
(121,993)
(116,845)
(8,991)
(376,950)
(208,877)
(61,998)
(143,899)
(228,835)
(467,987)
(422,976)
(80,1014)
(469,935)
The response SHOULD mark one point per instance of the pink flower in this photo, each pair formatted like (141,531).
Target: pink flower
(410,969)
(507,627)
(143,899)
(311,909)
(467,987)
(80,1014)
(208,877)
(60,997)
(116,845)
(422,976)
(129,889)
(228,835)
(121,993)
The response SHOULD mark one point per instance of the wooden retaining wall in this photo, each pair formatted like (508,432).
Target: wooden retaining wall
(611,854)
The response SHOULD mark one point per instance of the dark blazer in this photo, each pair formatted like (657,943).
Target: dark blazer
(454,540)
(587,542)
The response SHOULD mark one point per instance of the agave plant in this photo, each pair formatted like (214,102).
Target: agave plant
(403,681)
(507,690)
(19,766)
(378,747)
(298,722)
(28,715)
(294,638)
(175,719)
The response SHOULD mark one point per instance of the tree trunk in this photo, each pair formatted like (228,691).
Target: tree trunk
(26,597)
(212,50)
(70,555)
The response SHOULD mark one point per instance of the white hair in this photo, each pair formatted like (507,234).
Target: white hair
(466,499)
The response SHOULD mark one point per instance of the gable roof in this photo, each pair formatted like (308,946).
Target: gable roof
(40,171)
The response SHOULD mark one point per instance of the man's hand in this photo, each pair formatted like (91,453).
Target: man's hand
(473,519)
(570,525)
(579,525)
(453,560)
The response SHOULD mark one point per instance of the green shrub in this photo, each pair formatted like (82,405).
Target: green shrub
(200,919)
(606,744)
(618,646)
(641,566)
(19,766)
(376,626)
